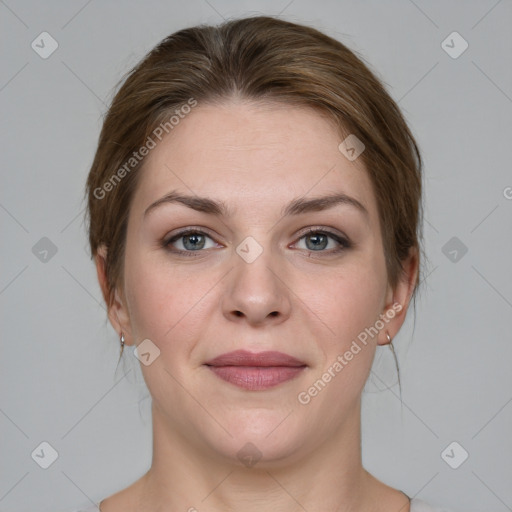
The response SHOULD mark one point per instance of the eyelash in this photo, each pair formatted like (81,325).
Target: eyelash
(189,231)
(344,243)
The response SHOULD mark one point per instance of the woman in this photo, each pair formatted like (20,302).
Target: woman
(254,215)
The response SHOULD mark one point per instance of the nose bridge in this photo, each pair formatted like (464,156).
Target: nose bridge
(256,291)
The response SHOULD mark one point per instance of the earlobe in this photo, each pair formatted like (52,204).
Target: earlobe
(117,311)
(392,319)
(400,297)
(119,317)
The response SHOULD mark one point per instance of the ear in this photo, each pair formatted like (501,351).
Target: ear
(398,299)
(117,308)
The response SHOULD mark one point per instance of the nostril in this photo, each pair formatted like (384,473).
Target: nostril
(239,313)
(274,313)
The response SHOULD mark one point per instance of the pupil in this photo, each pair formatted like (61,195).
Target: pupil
(193,242)
(318,242)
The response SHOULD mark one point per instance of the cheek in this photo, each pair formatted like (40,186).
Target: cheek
(349,299)
(152,305)
(359,298)
(349,305)
(166,305)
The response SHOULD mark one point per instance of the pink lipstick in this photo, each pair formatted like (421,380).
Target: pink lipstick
(256,371)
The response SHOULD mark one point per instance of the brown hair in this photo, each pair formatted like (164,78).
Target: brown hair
(257,58)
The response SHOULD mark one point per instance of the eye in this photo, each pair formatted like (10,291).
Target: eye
(322,241)
(190,241)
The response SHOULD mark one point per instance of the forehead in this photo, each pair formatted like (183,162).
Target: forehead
(245,153)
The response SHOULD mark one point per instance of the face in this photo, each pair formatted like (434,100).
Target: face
(229,248)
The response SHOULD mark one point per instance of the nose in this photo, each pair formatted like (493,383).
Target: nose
(256,293)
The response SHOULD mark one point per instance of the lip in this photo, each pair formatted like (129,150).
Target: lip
(256,371)
(246,358)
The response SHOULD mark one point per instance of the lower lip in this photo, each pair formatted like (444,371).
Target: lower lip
(256,378)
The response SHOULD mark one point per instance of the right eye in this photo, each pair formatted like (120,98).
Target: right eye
(190,241)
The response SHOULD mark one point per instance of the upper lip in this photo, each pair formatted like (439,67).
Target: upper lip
(246,358)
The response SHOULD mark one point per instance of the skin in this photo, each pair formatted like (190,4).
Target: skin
(311,304)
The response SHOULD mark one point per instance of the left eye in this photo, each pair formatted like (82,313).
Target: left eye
(319,241)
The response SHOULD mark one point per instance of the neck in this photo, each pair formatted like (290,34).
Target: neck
(328,476)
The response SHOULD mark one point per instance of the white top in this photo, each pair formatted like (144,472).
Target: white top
(416,506)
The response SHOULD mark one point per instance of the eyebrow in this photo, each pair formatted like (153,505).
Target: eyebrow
(295,207)
(200,204)
(317,204)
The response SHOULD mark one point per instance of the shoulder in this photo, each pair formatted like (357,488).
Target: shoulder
(421,506)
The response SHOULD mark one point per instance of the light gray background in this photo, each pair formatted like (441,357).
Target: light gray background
(58,362)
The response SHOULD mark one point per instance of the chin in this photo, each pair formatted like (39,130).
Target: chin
(259,437)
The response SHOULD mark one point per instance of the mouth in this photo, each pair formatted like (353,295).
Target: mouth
(256,371)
